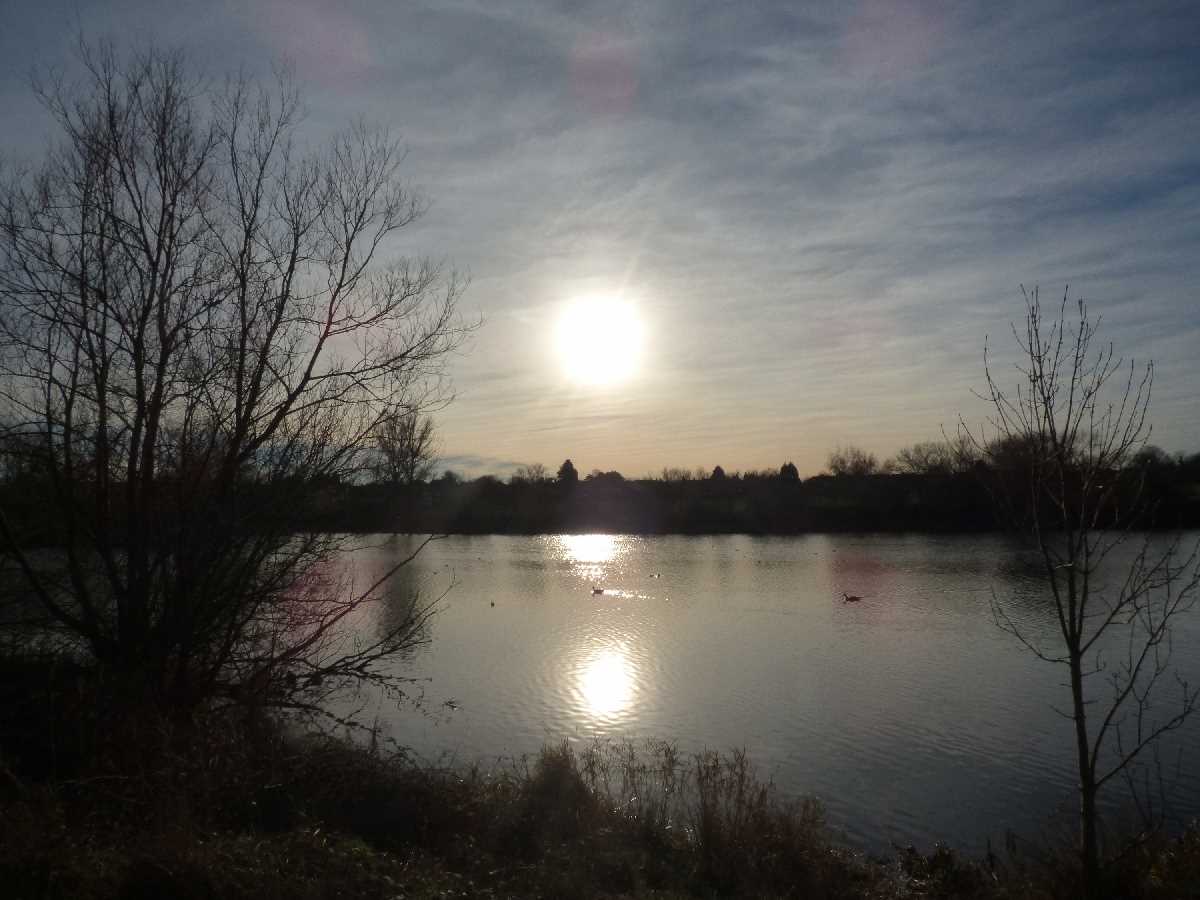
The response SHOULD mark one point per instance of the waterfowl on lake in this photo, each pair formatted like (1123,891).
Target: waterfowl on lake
(850,598)
(597,590)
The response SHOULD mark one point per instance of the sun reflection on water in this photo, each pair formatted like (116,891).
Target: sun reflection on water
(591,555)
(589,548)
(607,682)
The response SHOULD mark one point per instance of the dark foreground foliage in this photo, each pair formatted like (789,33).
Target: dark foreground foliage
(230,805)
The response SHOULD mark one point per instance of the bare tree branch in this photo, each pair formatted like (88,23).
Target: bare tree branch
(198,335)
(1059,454)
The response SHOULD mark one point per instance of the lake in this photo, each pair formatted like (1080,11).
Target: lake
(911,715)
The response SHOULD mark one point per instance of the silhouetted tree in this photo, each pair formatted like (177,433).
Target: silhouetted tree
(404,440)
(534,473)
(718,473)
(598,475)
(1188,467)
(754,502)
(1072,429)
(929,458)
(760,474)
(567,473)
(1152,458)
(852,461)
(789,472)
(199,342)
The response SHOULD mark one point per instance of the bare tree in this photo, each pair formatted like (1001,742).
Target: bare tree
(1062,448)
(534,473)
(405,442)
(197,334)
(852,461)
(945,457)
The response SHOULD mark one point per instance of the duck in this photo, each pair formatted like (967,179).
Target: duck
(597,590)
(850,598)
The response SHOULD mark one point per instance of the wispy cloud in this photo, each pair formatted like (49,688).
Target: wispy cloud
(472,465)
(820,214)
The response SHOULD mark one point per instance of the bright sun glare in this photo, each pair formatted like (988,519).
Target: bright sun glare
(600,340)
(607,683)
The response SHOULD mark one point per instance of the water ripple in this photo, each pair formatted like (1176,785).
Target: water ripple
(909,714)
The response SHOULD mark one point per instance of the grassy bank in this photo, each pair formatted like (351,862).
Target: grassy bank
(235,809)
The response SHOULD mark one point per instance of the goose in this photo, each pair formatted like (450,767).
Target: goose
(850,598)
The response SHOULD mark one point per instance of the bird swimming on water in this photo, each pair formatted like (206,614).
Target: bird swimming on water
(850,598)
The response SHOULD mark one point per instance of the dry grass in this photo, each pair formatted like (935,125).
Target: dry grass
(230,808)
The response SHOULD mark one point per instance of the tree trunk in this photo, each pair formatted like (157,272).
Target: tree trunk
(1088,832)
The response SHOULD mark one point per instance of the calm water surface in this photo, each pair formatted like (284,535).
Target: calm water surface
(910,715)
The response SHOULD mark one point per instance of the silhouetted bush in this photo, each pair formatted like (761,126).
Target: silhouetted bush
(239,810)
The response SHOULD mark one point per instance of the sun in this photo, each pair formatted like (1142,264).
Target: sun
(599,340)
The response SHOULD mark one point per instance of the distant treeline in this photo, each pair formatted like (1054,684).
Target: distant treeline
(925,488)
(891,497)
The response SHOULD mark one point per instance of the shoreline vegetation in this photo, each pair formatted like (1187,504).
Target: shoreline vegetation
(755,504)
(749,503)
(230,805)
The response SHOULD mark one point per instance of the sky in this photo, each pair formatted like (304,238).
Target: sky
(816,212)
